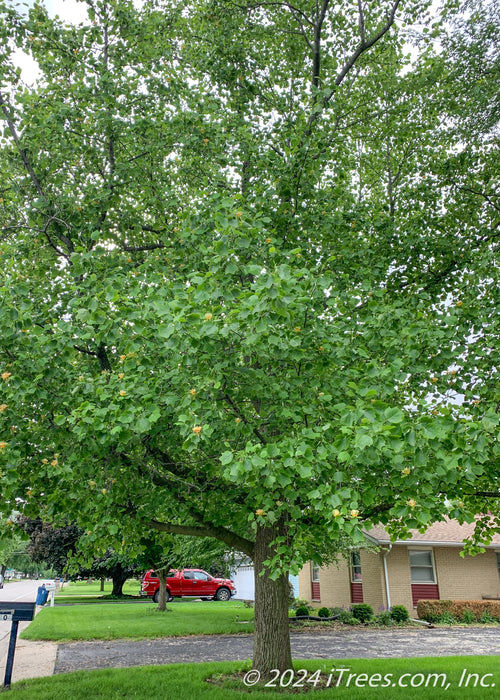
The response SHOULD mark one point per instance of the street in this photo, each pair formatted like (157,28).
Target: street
(19,591)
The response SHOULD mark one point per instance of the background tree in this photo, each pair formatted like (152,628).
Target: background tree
(50,545)
(250,288)
(112,565)
(58,548)
(13,551)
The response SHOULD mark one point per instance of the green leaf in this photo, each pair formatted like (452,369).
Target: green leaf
(226,457)
(394,415)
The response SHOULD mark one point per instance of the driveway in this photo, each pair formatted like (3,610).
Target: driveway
(343,644)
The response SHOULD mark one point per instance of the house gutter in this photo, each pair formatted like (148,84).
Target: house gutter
(431,543)
(386,576)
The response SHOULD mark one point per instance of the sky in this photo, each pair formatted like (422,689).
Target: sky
(67,10)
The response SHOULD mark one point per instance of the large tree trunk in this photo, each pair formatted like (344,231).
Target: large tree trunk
(271,648)
(118,581)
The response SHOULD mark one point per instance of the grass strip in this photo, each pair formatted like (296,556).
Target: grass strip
(434,678)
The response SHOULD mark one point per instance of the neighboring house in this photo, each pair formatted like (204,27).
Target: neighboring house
(426,566)
(243,577)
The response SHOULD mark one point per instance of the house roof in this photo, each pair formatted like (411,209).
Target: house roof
(446,533)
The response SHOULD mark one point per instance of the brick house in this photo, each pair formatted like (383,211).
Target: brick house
(428,565)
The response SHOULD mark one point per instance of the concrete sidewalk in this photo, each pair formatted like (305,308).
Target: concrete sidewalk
(31,659)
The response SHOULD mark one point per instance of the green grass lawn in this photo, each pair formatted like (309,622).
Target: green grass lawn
(139,621)
(188,681)
(81,591)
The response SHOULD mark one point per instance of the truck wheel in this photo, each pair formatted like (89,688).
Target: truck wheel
(223,594)
(169,596)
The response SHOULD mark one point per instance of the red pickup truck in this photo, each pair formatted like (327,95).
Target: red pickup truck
(194,583)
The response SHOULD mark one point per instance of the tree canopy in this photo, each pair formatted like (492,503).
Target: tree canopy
(250,274)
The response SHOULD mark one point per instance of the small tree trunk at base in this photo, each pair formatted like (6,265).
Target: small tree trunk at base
(102,583)
(162,594)
(271,648)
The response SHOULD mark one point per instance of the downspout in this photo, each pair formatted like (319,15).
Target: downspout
(386,577)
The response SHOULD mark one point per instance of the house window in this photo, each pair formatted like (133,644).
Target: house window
(422,566)
(315,590)
(315,573)
(355,567)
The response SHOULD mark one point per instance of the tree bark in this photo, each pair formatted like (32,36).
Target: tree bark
(102,583)
(271,648)
(118,581)
(162,594)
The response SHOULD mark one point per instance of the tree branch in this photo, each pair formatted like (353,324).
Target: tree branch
(6,109)
(234,541)
(365,45)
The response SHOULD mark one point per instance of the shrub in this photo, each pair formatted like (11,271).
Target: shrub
(432,610)
(399,613)
(362,611)
(336,611)
(301,612)
(468,616)
(384,618)
(324,612)
(346,617)
(447,618)
(300,603)
(487,617)
(353,621)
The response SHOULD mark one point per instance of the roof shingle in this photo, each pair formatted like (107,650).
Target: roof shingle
(448,532)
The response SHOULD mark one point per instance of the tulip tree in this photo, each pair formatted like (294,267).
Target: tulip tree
(249,285)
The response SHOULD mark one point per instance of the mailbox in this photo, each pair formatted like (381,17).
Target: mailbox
(14,612)
(17,612)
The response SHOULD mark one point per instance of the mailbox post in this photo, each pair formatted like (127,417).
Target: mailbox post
(16,612)
(51,587)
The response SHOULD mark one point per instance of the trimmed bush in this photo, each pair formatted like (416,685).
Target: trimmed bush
(300,603)
(324,612)
(362,611)
(433,610)
(301,612)
(399,613)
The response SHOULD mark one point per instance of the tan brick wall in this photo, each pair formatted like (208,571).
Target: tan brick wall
(398,571)
(458,578)
(372,574)
(305,588)
(466,578)
(335,585)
